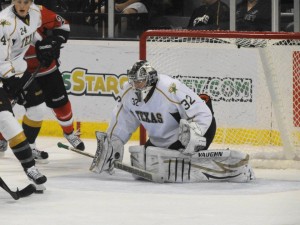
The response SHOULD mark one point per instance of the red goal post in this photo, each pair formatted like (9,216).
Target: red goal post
(253,79)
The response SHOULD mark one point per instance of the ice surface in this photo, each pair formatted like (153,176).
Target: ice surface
(75,196)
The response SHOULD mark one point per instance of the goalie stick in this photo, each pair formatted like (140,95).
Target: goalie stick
(119,165)
(28,190)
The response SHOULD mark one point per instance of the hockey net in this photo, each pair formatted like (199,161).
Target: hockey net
(253,80)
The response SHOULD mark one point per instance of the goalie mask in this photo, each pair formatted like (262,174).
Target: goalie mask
(142,76)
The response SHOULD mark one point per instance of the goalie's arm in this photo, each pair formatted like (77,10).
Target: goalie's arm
(192,107)
(196,118)
(123,122)
(110,145)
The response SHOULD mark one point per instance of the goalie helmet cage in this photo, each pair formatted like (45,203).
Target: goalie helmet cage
(253,79)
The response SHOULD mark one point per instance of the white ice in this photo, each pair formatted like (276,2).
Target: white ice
(75,196)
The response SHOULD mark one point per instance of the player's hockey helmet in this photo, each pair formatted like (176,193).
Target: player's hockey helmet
(142,71)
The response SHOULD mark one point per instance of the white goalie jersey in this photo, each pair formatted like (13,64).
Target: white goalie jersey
(170,101)
(15,38)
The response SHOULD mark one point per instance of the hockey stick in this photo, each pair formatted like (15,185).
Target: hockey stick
(28,82)
(28,190)
(119,165)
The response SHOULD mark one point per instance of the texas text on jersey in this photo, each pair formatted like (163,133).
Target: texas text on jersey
(170,101)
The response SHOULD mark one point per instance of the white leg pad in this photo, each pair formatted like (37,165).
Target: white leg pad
(137,158)
(209,165)
(9,125)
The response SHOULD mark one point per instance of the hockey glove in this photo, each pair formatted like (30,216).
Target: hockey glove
(108,151)
(191,137)
(14,88)
(48,50)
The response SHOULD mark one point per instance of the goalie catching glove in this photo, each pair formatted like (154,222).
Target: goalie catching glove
(191,137)
(48,50)
(108,151)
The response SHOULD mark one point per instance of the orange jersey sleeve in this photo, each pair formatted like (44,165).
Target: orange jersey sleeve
(51,21)
(59,26)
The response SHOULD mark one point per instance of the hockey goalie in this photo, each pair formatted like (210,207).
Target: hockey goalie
(180,127)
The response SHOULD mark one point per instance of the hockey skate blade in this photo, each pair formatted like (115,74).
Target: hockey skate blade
(40,188)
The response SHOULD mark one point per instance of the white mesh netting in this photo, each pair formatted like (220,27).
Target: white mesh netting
(253,80)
